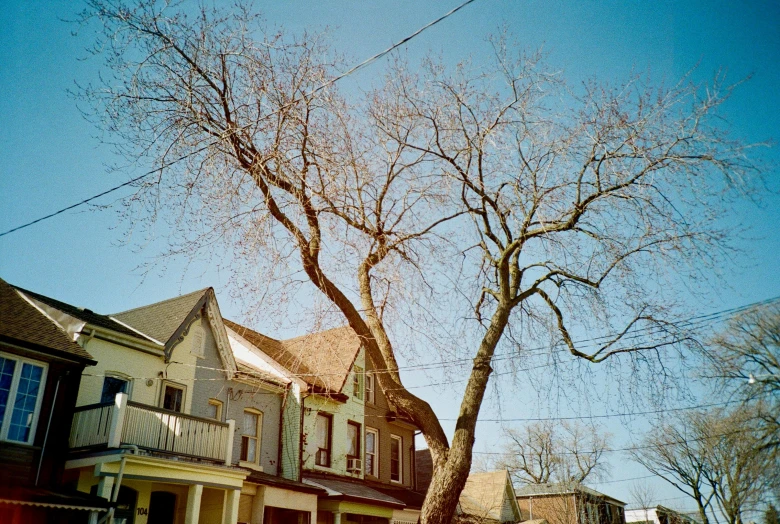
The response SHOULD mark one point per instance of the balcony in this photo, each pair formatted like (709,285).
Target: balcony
(122,422)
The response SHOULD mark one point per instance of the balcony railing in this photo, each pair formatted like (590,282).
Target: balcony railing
(121,422)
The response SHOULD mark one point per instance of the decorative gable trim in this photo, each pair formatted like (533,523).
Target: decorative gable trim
(206,305)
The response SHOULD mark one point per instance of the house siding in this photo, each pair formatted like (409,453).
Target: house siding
(210,382)
(376,417)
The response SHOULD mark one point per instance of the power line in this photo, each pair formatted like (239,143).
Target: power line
(316,90)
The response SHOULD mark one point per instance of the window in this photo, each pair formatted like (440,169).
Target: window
(250,436)
(113,385)
(214,409)
(353,440)
(370,388)
(396,456)
(198,341)
(372,447)
(173,396)
(322,436)
(21,388)
(358,386)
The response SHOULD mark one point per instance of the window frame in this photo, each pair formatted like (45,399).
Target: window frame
(375,455)
(358,383)
(358,438)
(175,385)
(117,375)
(5,422)
(219,405)
(400,440)
(329,448)
(370,390)
(254,464)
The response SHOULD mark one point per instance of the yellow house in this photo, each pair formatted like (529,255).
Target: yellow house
(169,426)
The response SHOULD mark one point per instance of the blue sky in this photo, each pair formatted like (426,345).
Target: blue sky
(51,157)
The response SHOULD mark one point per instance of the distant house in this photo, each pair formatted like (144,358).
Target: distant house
(488,498)
(40,371)
(569,503)
(658,515)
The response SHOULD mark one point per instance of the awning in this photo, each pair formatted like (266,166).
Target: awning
(44,498)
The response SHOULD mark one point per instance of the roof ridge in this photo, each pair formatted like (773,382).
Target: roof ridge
(300,337)
(242,326)
(199,291)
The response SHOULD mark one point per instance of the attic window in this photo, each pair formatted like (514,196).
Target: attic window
(198,340)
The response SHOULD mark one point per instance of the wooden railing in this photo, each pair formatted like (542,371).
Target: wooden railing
(91,425)
(148,427)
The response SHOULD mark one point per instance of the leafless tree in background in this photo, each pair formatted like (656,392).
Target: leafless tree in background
(555,452)
(716,458)
(745,357)
(476,204)
(643,495)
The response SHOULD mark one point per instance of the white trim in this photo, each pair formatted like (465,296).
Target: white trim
(166,382)
(375,432)
(400,440)
(131,328)
(12,397)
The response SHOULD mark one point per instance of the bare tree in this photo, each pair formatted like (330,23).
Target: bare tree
(745,357)
(716,458)
(480,204)
(548,452)
(644,496)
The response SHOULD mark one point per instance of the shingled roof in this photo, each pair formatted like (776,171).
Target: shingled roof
(484,495)
(561,488)
(322,359)
(161,319)
(20,321)
(83,314)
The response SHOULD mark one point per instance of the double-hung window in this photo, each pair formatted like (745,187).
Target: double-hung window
(358,382)
(372,451)
(369,378)
(250,436)
(21,390)
(172,396)
(322,438)
(396,459)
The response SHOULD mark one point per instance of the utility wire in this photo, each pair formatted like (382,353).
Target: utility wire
(316,90)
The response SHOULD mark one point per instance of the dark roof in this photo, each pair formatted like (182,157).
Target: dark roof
(412,499)
(321,359)
(258,477)
(162,319)
(561,488)
(83,314)
(21,321)
(354,490)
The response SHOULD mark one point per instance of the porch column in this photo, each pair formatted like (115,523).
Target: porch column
(193,504)
(230,515)
(104,487)
(336,517)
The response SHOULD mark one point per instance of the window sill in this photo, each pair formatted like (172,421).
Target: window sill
(250,465)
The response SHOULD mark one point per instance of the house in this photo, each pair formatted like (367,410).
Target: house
(40,372)
(170,426)
(353,446)
(658,515)
(569,503)
(488,498)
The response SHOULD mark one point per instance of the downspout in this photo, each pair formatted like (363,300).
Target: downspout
(279,468)
(48,426)
(531,508)
(300,438)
